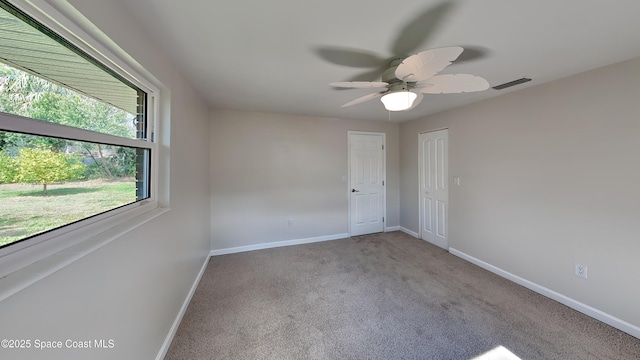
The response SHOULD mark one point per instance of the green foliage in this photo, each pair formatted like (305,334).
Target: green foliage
(71,109)
(3,140)
(8,168)
(19,91)
(44,167)
(94,171)
(123,162)
(120,163)
(27,95)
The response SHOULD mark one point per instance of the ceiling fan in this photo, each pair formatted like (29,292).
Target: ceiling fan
(406,80)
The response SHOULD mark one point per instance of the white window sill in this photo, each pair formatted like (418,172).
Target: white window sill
(18,279)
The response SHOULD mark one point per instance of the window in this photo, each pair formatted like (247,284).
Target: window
(76,136)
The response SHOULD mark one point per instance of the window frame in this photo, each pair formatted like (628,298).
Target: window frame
(92,232)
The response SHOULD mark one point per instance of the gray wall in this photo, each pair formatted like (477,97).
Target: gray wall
(267,168)
(550,175)
(131,289)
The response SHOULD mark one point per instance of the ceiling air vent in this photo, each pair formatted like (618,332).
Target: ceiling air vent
(511,83)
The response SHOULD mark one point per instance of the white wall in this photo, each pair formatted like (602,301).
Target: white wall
(131,289)
(550,175)
(267,168)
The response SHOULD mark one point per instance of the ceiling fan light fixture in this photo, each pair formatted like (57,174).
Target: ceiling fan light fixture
(399,100)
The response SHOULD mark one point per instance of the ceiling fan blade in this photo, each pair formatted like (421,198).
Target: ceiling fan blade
(453,84)
(363,99)
(369,75)
(350,57)
(472,53)
(359,84)
(417,100)
(416,32)
(424,65)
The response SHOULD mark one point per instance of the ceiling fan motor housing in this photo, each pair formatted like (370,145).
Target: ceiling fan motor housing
(389,75)
(399,86)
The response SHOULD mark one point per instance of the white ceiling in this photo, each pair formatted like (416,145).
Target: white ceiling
(273,55)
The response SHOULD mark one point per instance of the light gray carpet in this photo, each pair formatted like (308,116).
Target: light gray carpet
(382,296)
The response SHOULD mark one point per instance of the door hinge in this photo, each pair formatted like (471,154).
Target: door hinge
(382,147)
(382,182)
(383,219)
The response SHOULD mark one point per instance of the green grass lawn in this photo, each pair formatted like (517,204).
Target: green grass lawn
(25,211)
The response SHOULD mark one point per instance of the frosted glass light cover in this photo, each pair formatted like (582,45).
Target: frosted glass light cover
(398,101)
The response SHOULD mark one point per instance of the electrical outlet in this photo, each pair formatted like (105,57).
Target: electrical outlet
(580,270)
(290,222)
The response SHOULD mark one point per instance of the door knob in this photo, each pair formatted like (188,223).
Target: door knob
(354,190)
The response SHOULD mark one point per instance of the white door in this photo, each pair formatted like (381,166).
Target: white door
(434,187)
(366,183)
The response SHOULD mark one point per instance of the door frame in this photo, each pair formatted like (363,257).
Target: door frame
(384,175)
(420,190)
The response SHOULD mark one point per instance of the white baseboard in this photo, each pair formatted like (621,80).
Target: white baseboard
(183,309)
(269,245)
(392,228)
(409,232)
(576,305)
